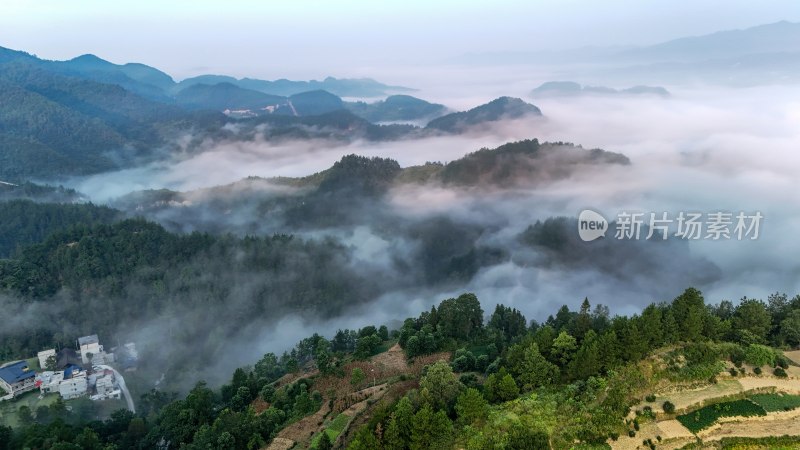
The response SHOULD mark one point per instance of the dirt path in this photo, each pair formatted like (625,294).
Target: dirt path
(774,424)
(790,385)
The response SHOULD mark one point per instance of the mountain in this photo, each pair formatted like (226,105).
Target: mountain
(53,124)
(358,87)
(573,89)
(779,37)
(225,96)
(313,103)
(503,108)
(397,108)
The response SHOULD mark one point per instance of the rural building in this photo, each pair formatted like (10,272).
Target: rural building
(69,383)
(16,378)
(43,357)
(89,345)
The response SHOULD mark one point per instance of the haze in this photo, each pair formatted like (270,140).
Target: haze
(314,39)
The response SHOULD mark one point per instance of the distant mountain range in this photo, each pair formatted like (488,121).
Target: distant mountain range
(87,115)
(573,89)
(764,54)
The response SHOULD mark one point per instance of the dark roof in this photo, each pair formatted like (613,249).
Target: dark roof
(88,340)
(66,357)
(16,372)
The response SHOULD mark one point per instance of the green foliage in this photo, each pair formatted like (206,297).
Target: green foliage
(500,387)
(704,417)
(471,407)
(668,407)
(759,355)
(776,402)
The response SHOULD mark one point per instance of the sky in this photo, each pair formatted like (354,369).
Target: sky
(317,38)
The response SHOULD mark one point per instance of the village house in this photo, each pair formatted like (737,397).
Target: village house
(16,378)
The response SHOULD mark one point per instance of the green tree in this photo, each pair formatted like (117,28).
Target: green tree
(564,347)
(534,369)
(471,406)
(790,328)
(689,310)
(440,387)
(500,387)
(430,430)
(357,377)
(752,319)
(587,360)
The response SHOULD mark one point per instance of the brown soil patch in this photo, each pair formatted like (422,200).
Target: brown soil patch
(777,424)
(280,444)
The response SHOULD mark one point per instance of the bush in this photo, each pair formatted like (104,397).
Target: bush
(631,433)
(733,372)
(669,407)
(651,398)
(782,362)
(757,370)
(759,355)
(779,372)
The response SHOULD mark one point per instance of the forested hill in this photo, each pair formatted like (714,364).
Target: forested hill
(454,377)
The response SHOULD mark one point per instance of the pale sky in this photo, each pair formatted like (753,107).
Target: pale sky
(315,38)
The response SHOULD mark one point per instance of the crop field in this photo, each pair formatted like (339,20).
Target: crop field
(776,402)
(333,429)
(705,417)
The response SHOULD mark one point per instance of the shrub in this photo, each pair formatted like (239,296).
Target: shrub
(669,407)
(650,398)
(733,372)
(759,355)
(757,370)
(779,372)
(782,362)
(631,433)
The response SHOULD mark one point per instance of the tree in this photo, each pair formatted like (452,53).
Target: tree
(587,359)
(440,387)
(523,438)
(564,347)
(366,346)
(689,310)
(500,387)
(669,407)
(471,406)
(357,377)
(460,318)
(534,369)
(510,323)
(322,356)
(398,432)
(583,321)
(430,430)
(752,317)
(790,328)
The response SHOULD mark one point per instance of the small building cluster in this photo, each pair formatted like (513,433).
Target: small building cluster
(70,373)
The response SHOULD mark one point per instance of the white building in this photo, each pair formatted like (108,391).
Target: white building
(69,384)
(74,387)
(44,355)
(89,345)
